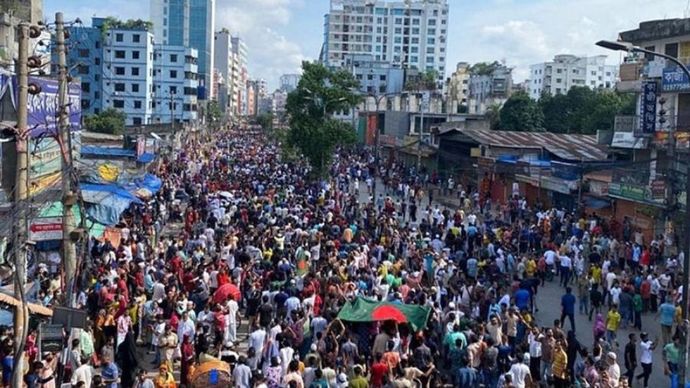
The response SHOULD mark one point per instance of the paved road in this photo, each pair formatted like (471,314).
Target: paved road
(549,302)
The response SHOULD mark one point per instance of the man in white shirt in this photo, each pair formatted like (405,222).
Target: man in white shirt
(566,270)
(520,372)
(83,373)
(646,350)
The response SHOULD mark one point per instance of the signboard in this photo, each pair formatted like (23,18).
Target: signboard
(45,229)
(629,140)
(599,188)
(658,189)
(51,337)
(674,80)
(69,317)
(648,107)
(558,185)
(628,191)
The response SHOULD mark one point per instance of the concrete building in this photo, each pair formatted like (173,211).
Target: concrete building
(566,71)
(409,34)
(175,84)
(223,58)
(458,89)
(189,23)
(86,60)
(240,76)
(279,100)
(251,98)
(289,82)
(375,77)
(25,10)
(491,88)
(127,73)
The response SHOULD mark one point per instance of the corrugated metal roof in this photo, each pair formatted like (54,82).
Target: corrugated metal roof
(564,146)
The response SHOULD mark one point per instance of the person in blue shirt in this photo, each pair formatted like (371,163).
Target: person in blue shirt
(110,373)
(522,299)
(667,312)
(568,307)
(466,376)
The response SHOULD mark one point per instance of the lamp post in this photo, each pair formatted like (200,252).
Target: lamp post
(629,47)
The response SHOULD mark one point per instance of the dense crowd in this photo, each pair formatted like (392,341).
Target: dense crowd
(262,245)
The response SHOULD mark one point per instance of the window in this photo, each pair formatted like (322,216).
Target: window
(558,80)
(83,69)
(558,90)
(119,70)
(574,71)
(414,49)
(379,20)
(414,40)
(136,120)
(85,87)
(398,20)
(119,37)
(594,73)
(83,53)
(378,48)
(119,104)
(370,77)
(671,49)
(429,59)
(378,30)
(432,22)
(120,54)
(135,71)
(173,73)
(397,40)
(382,77)
(559,71)
(97,61)
(173,90)
(431,31)
(429,50)
(649,57)
(137,104)
(415,31)
(136,38)
(119,87)
(430,41)
(415,21)
(135,54)
(414,59)
(135,88)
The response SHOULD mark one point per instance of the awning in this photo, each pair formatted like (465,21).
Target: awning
(107,202)
(107,151)
(33,307)
(596,203)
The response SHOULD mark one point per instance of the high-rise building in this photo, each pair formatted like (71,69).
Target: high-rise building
(458,89)
(240,76)
(26,10)
(409,34)
(176,83)
(566,71)
(222,61)
(189,23)
(289,82)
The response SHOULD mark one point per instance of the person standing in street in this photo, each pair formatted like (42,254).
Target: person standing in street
(667,312)
(646,351)
(613,320)
(630,358)
(566,269)
(568,307)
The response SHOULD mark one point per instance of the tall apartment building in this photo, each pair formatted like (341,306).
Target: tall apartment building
(26,10)
(175,84)
(121,67)
(222,61)
(189,23)
(240,76)
(127,73)
(289,82)
(493,87)
(410,34)
(566,71)
(458,89)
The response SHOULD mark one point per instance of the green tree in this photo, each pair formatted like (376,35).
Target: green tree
(265,120)
(493,114)
(426,80)
(320,92)
(484,68)
(110,121)
(555,111)
(521,113)
(213,112)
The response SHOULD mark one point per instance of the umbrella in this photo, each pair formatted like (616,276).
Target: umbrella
(225,194)
(225,291)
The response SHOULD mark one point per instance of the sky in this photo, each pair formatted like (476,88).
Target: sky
(280,34)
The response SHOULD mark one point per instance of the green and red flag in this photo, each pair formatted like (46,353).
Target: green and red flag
(367,310)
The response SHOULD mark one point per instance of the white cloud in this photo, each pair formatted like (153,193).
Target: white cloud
(533,31)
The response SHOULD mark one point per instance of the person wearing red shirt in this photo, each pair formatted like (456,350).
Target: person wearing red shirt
(378,371)
(222,277)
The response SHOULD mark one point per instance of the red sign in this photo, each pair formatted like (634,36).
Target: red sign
(46,229)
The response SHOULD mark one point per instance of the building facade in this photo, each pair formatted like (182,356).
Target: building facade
(175,84)
(25,10)
(222,61)
(240,76)
(458,89)
(375,77)
(567,71)
(491,88)
(127,73)
(289,82)
(410,34)
(189,23)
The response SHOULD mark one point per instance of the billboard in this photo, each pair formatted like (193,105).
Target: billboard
(674,80)
(648,107)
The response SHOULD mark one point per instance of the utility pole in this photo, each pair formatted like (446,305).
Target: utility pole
(172,117)
(69,249)
(419,140)
(21,185)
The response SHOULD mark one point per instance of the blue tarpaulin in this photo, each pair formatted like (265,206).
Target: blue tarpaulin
(107,202)
(107,151)
(146,157)
(149,182)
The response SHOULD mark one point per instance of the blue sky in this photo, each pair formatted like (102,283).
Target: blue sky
(282,33)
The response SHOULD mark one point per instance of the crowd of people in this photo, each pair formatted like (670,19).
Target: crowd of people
(241,236)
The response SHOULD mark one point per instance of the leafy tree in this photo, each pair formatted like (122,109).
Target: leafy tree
(423,81)
(213,112)
(265,120)
(555,111)
(493,114)
(484,68)
(110,121)
(320,92)
(521,113)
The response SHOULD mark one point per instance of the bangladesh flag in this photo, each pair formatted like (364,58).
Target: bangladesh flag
(367,310)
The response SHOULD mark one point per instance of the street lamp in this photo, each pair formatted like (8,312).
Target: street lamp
(629,47)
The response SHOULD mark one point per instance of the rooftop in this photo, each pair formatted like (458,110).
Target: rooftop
(657,29)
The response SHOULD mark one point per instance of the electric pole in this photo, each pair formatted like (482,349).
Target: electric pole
(21,185)
(69,249)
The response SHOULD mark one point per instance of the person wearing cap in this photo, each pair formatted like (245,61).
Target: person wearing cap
(613,370)
(646,351)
